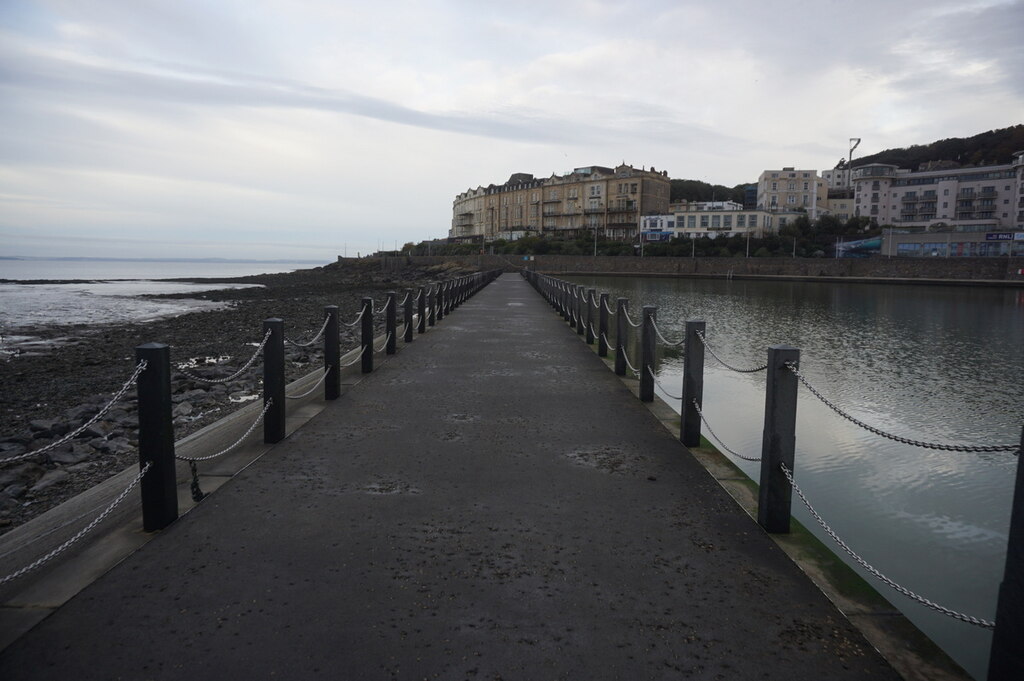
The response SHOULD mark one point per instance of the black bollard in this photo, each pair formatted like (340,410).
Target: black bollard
(778,445)
(421,308)
(273,381)
(621,336)
(366,336)
(590,316)
(648,349)
(1006,662)
(332,354)
(693,384)
(156,437)
(391,324)
(407,316)
(602,327)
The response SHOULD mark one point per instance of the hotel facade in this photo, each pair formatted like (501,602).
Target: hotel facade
(590,200)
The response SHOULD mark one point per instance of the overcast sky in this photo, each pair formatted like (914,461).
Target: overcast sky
(311,128)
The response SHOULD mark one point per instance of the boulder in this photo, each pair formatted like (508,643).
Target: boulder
(51,478)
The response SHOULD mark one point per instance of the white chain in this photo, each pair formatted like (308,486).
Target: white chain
(266,408)
(629,321)
(658,383)
(703,340)
(897,438)
(139,368)
(362,311)
(631,367)
(358,357)
(386,340)
(718,439)
(81,533)
(969,619)
(312,390)
(663,340)
(235,375)
(315,338)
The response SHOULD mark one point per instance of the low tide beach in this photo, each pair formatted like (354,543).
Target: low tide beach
(59,368)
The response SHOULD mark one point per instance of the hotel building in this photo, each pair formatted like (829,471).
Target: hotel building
(608,201)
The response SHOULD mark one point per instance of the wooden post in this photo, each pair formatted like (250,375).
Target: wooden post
(332,354)
(778,445)
(273,381)
(621,336)
(391,323)
(693,384)
(407,316)
(156,437)
(366,337)
(1006,662)
(648,350)
(602,327)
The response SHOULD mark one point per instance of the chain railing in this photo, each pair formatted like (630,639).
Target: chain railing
(629,321)
(359,318)
(696,405)
(323,377)
(674,344)
(81,533)
(139,368)
(317,337)
(233,376)
(897,438)
(707,347)
(969,619)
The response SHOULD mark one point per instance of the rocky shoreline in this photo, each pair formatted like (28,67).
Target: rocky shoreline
(73,372)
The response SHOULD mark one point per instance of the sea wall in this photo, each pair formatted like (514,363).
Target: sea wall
(1003,270)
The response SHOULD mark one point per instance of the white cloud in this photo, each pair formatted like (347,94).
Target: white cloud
(357,123)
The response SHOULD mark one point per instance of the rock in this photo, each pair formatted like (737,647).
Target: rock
(79,452)
(196,395)
(81,413)
(182,409)
(15,491)
(57,477)
(27,472)
(9,449)
(98,429)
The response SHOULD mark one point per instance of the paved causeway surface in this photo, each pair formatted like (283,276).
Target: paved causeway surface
(492,503)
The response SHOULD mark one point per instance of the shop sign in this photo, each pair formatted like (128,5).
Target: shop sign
(999,236)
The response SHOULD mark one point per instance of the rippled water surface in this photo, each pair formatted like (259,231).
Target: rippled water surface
(929,363)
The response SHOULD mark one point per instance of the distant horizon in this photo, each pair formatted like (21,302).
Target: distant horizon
(82,258)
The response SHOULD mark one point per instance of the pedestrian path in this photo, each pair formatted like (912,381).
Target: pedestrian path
(492,503)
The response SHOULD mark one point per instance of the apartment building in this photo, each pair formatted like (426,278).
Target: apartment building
(608,201)
(790,189)
(980,199)
(716,218)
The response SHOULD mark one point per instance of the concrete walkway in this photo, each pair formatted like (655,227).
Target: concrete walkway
(492,503)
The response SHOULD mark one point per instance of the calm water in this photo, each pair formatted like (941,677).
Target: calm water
(942,364)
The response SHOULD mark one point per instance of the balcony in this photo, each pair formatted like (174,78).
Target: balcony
(986,194)
(590,211)
(909,198)
(965,194)
(552,200)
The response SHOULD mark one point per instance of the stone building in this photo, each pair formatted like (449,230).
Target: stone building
(790,189)
(608,201)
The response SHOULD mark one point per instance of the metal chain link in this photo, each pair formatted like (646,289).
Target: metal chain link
(969,619)
(386,340)
(658,383)
(81,533)
(362,311)
(630,321)
(707,347)
(636,373)
(312,390)
(193,459)
(317,337)
(358,357)
(663,340)
(235,375)
(718,439)
(139,368)
(897,438)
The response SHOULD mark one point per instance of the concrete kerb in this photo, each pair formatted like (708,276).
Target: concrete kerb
(27,600)
(911,653)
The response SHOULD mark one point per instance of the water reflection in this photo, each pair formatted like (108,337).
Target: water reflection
(930,363)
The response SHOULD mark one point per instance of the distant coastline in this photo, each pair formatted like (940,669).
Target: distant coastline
(200,260)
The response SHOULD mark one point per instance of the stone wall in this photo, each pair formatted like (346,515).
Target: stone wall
(956,269)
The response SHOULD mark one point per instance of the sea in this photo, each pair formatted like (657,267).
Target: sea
(86,291)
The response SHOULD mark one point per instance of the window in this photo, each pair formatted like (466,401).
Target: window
(945,192)
(704,221)
(716,221)
(691,221)
(573,193)
(791,199)
(595,190)
(553,195)
(727,221)
(741,220)
(792,186)
(805,186)
(632,188)
(775,186)
(753,221)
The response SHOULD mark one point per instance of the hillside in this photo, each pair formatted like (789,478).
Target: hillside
(988,148)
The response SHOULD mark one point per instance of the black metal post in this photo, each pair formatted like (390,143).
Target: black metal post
(579,310)
(693,384)
(156,437)
(648,348)
(778,445)
(1006,662)
(421,309)
(332,354)
(273,380)
(390,321)
(566,302)
(602,327)
(590,316)
(621,336)
(431,304)
(366,337)
(442,296)
(407,316)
